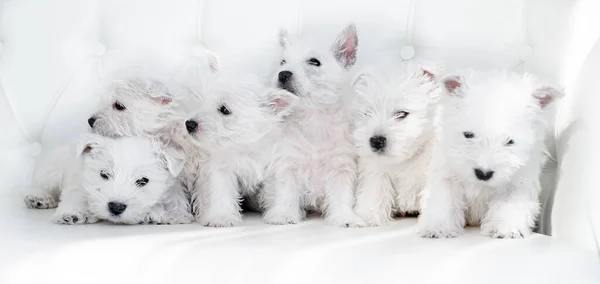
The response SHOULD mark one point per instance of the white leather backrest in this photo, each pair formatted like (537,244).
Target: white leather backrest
(54,54)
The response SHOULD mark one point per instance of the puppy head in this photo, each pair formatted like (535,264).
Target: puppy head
(493,123)
(308,69)
(393,112)
(125,177)
(235,111)
(135,106)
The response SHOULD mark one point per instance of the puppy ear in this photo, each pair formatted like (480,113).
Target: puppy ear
(360,80)
(283,38)
(454,85)
(546,95)
(213,62)
(90,145)
(280,101)
(173,159)
(345,46)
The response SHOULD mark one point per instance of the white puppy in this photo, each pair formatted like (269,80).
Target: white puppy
(393,115)
(234,128)
(486,165)
(315,167)
(129,180)
(136,106)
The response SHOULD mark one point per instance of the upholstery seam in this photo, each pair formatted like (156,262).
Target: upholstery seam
(14,114)
(60,95)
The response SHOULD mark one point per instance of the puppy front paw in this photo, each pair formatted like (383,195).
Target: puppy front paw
(278,216)
(167,219)
(345,220)
(221,221)
(505,232)
(438,230)
(40,202)
(71,218)
(374,218)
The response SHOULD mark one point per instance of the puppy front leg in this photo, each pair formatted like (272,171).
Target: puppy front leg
(221,200)
(175,209)
(512,215)
(283,200)
(339,200)
(374,199)
(72,209)
(47,179)
(442,214)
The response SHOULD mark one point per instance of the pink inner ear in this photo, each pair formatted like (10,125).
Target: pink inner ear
(87,149)
(428,74)
(452,84)
(544,100)
(349,45)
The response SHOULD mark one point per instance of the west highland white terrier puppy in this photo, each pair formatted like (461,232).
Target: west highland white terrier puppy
(486,165)
(234,128)
(131,180)
(393,116)
(137,106)
(314,166)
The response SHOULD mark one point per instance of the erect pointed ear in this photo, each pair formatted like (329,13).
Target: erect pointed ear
(90,145)
(546,95)
(173,158)
(281,101)
(213,62)
(283,38)
(346,46)
(454,85)
(360,80)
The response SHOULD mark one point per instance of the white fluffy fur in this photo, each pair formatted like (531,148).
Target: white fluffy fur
(314,166)
(398,105)
(238,120)
(78,171)
(501,113)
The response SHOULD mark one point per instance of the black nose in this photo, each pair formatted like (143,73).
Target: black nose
(378,142)
(191,126)
(284,76)
(116,208)
(91,121)
(483,175)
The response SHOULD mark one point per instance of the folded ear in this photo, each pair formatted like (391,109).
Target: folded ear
(173,158)
(90,145)
(280,101)
(546,95)
(346,46)
(454,85)
(283,38)
(360,80)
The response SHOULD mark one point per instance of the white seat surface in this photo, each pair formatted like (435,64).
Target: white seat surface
(34,250)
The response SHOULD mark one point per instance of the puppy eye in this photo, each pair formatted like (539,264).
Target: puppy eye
(509,142)
(104,175)
(224,110)
(468,135)
(314,62)
(141,182)
(401,114)
(282,62)
(118,106)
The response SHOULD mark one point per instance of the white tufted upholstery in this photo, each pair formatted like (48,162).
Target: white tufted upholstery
(53,54)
